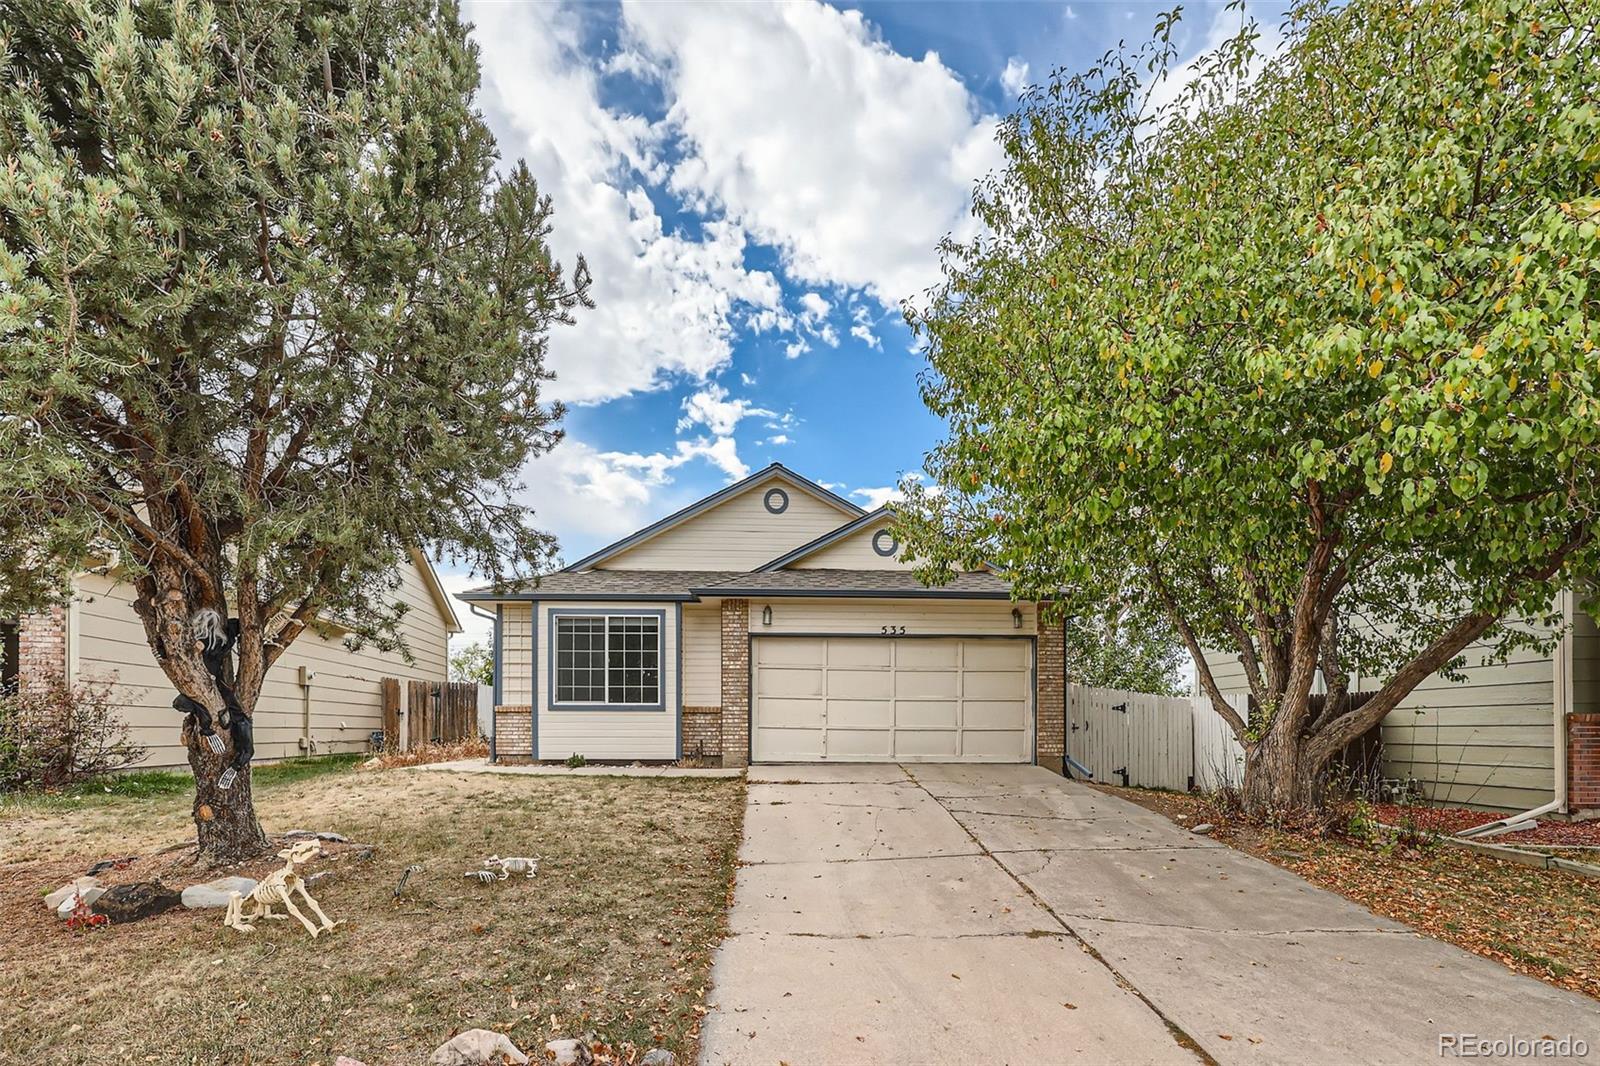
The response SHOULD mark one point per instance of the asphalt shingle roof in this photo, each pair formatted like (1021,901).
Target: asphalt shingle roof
(611,583)
(689,584)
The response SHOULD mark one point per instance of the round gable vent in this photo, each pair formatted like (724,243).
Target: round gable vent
(776,501)
(884,544)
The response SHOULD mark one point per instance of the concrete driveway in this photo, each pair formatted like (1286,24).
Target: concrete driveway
(972,914)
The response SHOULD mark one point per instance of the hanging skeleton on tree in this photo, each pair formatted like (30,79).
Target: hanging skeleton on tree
(216,640)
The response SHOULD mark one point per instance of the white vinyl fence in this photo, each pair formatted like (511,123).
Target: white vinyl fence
(1135,738)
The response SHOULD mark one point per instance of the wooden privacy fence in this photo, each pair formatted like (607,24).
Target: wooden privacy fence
(435,712)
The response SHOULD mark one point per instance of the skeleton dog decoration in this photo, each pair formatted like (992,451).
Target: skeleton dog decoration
(217,640)
(514,865)
(277,887)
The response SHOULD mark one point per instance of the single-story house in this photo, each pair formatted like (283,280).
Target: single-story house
(1512,736)
(319,698)
(772,621)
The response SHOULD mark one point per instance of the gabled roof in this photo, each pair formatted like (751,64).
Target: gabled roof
(642,585)
(776,470)
(831,537)
(874,584)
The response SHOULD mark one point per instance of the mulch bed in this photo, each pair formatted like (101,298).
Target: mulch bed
(1538,922)
(1452,820)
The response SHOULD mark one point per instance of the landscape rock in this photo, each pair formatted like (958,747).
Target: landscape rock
(141,899)
(476,1047)
(89,894)
(321,877)
(215,893)
(1204,829)
(659,1056)
(346,1060)
(55,899)
(569,1052)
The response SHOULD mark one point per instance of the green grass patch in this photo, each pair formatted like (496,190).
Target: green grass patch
(153,784)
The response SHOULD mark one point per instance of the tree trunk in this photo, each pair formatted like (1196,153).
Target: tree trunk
(1279,778)
(226,829)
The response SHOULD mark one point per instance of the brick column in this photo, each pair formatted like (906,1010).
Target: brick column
(41,648)
(1583,762)
(1050,680)
(513,733)
(735,682)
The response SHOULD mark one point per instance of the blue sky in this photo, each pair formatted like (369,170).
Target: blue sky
(756,187)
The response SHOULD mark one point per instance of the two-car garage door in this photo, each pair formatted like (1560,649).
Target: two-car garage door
(865,699)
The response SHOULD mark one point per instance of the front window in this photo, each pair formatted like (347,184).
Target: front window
(608,659)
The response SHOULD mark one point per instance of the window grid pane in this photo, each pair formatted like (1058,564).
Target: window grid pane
(608,659)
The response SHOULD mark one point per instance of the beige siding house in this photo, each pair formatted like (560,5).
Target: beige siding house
(772,621)
(1510,736)
(318,699)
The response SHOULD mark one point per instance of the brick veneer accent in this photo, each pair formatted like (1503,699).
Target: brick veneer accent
(702,732)
(735,682)
(41,648)
(1583,762)
(1049,723)
(513,732)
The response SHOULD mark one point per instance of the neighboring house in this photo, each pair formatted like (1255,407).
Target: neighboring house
(773,621)
(319,698)
(1512,736)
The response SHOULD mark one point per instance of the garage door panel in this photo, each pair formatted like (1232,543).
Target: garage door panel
(860,714)
(927,714)
(787,745)
(860,743)
(863,684)
(923,684)
(993,684)
(861,653)
(993,714)
(790,713)
(867,699)
(995,655)
(927,743)
(785,681)
(927,654)
(793,652)
(997,744)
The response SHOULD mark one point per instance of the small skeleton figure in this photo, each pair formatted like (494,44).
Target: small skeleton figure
(514,865)
(279,887)
(483,877)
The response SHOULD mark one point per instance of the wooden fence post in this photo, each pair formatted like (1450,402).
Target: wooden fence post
(390,688)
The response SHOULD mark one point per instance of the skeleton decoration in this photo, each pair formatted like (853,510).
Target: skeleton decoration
(483,877)
(217,639)
(277,887)
(514,865)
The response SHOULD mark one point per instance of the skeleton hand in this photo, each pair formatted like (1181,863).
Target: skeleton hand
(216,745)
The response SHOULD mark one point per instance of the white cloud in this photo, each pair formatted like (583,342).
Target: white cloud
(813,308)
(877,497)
(666,303)
(861,315)
(746,380)
(1014,78)
(1225,24)
(796,348)
(1072,16)
(710,407)
(720,452)
(778,438)
(803,126)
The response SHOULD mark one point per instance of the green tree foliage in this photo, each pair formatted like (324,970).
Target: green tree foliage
(473,663)
(1130,649)
(271,314)
(1307,355)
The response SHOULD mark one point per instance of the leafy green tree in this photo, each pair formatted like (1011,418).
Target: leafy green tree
(1306,355)
(1127,648)
(473,663)
(271,317)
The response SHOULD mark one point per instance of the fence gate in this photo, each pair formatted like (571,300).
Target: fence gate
(1133,738)
(438,712)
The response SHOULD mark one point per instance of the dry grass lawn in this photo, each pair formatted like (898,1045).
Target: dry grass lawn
(614,935)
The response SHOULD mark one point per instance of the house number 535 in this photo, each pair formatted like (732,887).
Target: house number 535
(894,631)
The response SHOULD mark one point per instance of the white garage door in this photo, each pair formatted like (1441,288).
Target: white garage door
(869,699)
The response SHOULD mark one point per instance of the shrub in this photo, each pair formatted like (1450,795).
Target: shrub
(576,760)
(57,734)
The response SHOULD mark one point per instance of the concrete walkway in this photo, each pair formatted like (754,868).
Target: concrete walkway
(484,766)
(968,914)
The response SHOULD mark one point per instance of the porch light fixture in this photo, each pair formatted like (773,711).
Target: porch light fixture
(1016,618)
(766,615)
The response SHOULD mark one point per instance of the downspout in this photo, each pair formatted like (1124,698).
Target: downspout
(495,618)
(1561,705)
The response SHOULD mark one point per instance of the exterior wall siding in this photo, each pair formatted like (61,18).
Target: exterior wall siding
(954,618)
(604,734)
(702,657)
(737,534)
(854,552)
(344,705)
(516,653)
